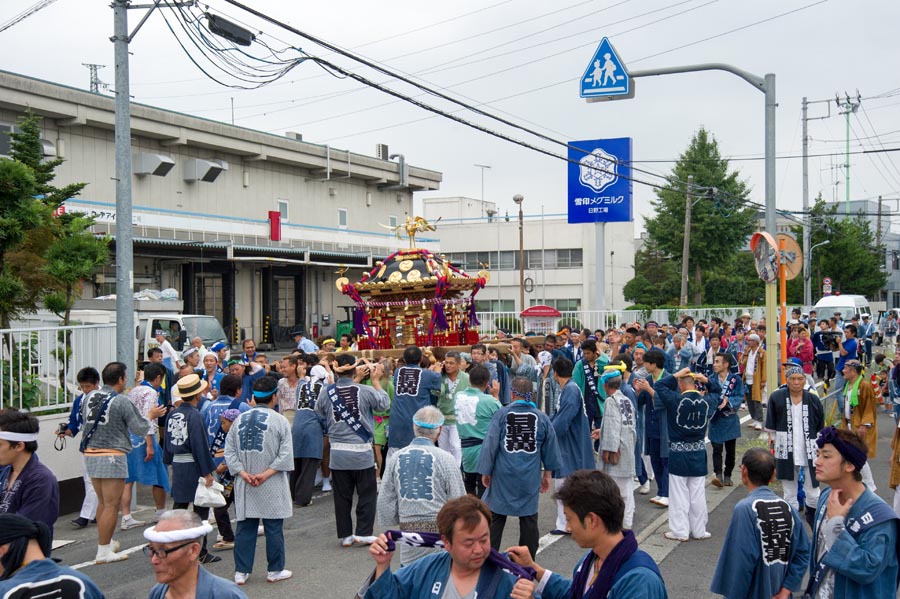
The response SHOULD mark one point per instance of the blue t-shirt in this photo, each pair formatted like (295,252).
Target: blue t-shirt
(850,346)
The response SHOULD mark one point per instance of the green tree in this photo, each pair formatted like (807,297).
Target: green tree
(25,146)
(19,213)
(657,281)
(721,220)
(73,257)
(853,259)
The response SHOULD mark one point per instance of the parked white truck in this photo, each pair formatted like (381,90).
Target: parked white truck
(151,316)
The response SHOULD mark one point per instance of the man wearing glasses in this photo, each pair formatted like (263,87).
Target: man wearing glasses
(173,547)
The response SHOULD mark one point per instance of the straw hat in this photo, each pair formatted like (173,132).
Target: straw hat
(189,386)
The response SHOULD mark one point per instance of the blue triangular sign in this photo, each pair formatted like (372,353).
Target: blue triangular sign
(606,74)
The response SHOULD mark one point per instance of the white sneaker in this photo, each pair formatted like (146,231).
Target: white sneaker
(319,479)
(644,488)
(365,540)
(114,546)
(663,501)
(129,522)
(276,576)
(105,555)
(240,578)
(347,541)
(157,515)
(702,537)
(326,484)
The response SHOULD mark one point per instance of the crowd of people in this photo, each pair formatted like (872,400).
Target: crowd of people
(443,446)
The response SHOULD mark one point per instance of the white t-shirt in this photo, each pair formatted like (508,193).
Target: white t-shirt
(751,366)
(799,434)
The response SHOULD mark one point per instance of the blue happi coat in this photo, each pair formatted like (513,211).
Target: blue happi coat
(308,428)
(46,578)
(186,449)
(633,580)
(864,566)
(414,388)
(687,417)
(208,587)
(519,441)
(573,433)
(766,548)
(725,428)
(428,577)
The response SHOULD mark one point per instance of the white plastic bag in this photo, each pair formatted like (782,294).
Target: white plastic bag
(210,496)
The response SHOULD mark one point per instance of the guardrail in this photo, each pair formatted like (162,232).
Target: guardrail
(39,365)
(603,319)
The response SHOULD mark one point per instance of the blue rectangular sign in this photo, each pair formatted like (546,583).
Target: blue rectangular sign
(600,180)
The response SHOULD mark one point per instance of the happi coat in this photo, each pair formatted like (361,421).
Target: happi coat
(687,417)
(474,411)
(414,388)
(418,480)
(186,448)
(618,435)
(862,566)
(520,443)
(573,433)
(349,449)
(766,548)
(34,494)
(779,419)
(637,578)
(259,439)
(46,578)
(725,424)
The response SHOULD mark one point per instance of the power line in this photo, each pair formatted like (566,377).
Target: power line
(25,14)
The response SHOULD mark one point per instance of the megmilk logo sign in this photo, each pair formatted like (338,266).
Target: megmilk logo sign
(600,180)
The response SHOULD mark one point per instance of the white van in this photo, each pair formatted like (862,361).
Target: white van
(847,305)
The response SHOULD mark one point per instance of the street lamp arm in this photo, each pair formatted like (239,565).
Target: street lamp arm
(754,80)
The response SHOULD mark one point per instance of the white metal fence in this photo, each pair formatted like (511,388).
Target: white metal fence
(39,365)
(597,319)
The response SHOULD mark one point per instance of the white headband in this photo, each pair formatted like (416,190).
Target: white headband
(26,437)
(173,536)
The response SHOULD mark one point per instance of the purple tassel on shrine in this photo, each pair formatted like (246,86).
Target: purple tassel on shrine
(438,317)
(359,318)
(473,319)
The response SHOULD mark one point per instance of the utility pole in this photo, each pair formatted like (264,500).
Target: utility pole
(96,84)
(849,106)
(878,238)
(482,167)
(124,241)
(686,247)
(125,332)
(807,217)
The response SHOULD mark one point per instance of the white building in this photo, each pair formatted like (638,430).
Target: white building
(560,259)
(202,195)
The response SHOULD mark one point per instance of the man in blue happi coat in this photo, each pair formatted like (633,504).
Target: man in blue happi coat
(614,568)
(414,388)
(573,433)
(854,547)
(519,443)
(467,566)
(766,549)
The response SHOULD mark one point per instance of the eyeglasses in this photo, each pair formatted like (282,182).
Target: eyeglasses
(164,553)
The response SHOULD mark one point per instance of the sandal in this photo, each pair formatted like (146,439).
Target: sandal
(221,545)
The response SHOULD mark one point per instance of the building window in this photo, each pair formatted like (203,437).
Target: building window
(210,300)
(285,313)
(392,221)
(569,258)
(283,209)
(342,218)
(495,305)
(563,305)
(895,260)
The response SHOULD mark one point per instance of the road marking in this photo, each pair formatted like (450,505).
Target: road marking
(128,551)
(58,544)
(548,539)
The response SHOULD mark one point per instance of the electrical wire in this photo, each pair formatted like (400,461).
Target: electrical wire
(42,4)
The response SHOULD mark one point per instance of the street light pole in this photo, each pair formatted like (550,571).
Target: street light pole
(518,198)
(826,242)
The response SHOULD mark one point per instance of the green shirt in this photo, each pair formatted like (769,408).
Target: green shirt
(446,402)
(474,411)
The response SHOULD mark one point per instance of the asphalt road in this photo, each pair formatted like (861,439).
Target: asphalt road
(322,568)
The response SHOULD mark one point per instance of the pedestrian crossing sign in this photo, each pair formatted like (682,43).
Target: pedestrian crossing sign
(606,75)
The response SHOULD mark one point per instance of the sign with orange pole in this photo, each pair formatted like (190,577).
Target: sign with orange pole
(790,263)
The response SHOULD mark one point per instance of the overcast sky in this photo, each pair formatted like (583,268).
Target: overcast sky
(522,60)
